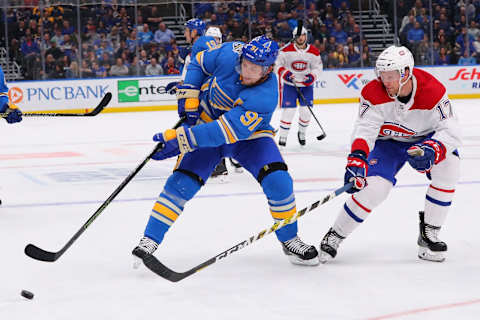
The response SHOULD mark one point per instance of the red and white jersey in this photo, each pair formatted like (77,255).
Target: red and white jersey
(299,62)
(429,110)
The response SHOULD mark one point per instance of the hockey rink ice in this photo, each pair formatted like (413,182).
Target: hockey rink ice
(55,172)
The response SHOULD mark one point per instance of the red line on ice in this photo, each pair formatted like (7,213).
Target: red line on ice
(66,154)
(426,309)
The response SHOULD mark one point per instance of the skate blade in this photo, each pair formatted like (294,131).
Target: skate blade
(137,262)
(324,257)
(296,260)
(429,255)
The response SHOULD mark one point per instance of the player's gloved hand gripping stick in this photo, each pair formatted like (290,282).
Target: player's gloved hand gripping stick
(39,254)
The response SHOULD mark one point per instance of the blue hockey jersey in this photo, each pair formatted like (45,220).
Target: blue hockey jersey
(232,111)
(3,92)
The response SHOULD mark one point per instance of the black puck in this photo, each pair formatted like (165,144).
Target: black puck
(27,294)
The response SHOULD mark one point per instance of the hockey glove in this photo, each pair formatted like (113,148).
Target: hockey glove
(422,156)
(13,114)
(309,80)
(187,96)
(289,77)
(171,88)
(356,171)
(175,142)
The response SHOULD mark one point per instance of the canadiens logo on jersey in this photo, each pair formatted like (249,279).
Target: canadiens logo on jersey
(299,65)
(390,129)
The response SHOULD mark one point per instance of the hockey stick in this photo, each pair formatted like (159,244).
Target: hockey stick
(39,254)
(105,100)
(324,134)
(163,271)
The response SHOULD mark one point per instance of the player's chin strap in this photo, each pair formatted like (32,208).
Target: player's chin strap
(400,86)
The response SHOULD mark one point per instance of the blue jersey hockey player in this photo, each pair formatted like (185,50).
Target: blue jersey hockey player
(232,88)
(10,112)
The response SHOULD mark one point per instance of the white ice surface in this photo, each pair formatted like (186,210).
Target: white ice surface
(55,172)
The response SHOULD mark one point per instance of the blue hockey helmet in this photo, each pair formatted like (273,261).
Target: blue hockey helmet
(196,24)
(261,50)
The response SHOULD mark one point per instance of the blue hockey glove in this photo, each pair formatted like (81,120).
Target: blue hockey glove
(175,142)
(288,76)
(422,156)
(187,96)
(171,88)
(13,114)
(309,80)
(356,171)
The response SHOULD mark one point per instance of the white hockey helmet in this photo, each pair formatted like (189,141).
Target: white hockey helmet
(214,32)
(395,58)
(294,33)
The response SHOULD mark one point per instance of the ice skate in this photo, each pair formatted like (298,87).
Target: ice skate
(237,166)
(220,173)
(300,253)
(282,142)
(329,245)
(429,246)
(146,246)
(301,138)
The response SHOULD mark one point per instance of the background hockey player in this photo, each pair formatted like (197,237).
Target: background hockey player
(405,116)
(237,103)
(298,64)
(13,114)
(196,36)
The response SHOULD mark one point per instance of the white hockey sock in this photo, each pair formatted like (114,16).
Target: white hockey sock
(441,191)
(358,207)
(303,119)
(286,121)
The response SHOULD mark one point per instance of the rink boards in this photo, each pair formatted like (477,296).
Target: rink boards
(148,93)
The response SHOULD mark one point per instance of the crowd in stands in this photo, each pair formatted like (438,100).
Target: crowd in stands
(49,44)
(450,35)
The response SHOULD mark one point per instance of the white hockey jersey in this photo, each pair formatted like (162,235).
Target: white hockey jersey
(299,62)
(429,110)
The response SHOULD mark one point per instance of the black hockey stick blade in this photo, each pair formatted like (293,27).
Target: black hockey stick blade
(152,263)
(163,271)
(322,136)
(99,108)
(39,254)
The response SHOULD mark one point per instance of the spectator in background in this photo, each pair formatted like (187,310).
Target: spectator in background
(145,36)
(170,67)
(163,35)
(54,50)
(135,68)
(443,58)
(98,70)
(153,69)
(73,72)
(85,70)
(119,69)
(339,35)
(466,60)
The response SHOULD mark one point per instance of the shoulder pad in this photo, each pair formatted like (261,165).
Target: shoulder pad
(375,93)
(429,91)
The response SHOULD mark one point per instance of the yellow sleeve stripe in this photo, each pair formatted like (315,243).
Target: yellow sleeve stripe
(199,58)
(165,211)
(205,117)
(230,135)
(284,214)
(3,93)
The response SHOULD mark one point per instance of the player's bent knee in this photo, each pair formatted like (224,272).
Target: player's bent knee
(275,180)
(375,192)
(182,185)
(446,173)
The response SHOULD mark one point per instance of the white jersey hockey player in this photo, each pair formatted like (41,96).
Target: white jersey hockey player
(299,65)
(404,116)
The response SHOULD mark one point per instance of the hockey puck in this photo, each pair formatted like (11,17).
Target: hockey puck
(27,294)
